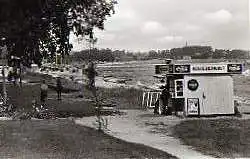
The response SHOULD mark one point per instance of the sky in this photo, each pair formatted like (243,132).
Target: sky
(143,25)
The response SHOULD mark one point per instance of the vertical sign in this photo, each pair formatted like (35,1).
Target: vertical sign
(161,69)
(193,106)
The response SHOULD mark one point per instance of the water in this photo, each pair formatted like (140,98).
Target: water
(135,72)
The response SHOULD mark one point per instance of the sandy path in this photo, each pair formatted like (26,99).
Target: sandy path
(141,127)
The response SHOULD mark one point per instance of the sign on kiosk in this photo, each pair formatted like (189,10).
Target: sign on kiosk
(193,106)
(161,69)
(216,68)
(199,68)
(182,68)
(208,68)
(234,68)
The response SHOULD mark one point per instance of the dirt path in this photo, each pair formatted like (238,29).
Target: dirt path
(145,128)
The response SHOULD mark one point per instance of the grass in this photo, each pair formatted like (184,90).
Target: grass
(124,98)
(69,106)
(217,137)
(64,139)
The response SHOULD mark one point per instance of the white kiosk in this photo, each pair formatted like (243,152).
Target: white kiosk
(201,89)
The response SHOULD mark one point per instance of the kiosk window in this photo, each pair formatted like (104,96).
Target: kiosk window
(179,93)
(179,82)
(179,88)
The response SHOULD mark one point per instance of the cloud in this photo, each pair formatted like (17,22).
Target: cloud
(219,17)
(126,14)
(125,18)
(170,39)
(102,35)
(79,43)
(153,27)
(191,28)
(147,24)
(122,20)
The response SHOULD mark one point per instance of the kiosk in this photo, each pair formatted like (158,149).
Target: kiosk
(201,89)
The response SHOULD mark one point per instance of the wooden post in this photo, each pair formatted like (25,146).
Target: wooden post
(151,98)
(143,98)
(148,99)
(157,96)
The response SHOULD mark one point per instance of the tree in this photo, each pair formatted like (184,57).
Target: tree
(40,28)
(152,54)
(238,54)
(219,54)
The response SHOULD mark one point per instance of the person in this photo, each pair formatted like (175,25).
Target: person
(83,72)
(20,73)
(91,73)
(15,74)
(10,74)
(81,89)
(159,106)
(59,88)
(44,91)
(164,99)
(83,69)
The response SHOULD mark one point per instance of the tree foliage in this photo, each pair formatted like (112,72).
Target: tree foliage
(38,28)
(94,55)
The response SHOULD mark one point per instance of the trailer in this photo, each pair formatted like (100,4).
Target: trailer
(200,89)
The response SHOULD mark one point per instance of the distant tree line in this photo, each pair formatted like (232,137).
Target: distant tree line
(103,55)
(199,52)
(194,52)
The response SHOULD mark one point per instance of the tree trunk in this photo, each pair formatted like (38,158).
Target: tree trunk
(4,86)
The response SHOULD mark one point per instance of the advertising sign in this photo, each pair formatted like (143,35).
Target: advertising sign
(234,68)
(193,106)
(171,68)
(199,68)
(193,84)
(181,68)
(208,68)
(161,69)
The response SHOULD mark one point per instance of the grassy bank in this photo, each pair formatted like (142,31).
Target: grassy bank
(64,139)
(220,137)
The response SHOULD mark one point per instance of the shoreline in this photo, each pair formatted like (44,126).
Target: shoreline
(99,81)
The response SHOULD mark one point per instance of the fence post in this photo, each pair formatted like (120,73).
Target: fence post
(157,96)
(143,99)
(147,99)
(151,98)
